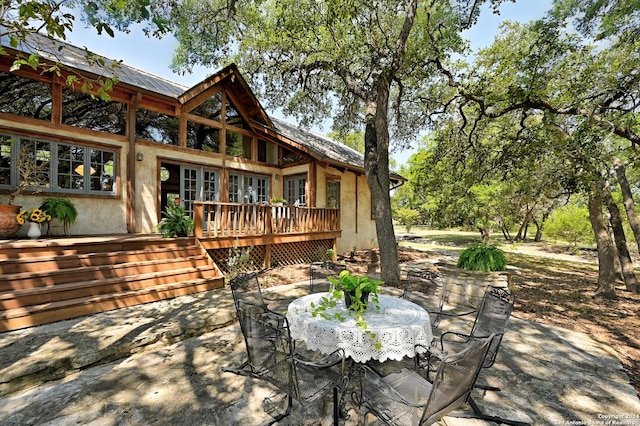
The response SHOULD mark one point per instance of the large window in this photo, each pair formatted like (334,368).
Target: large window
(248,189)
(295,190)
(238,145)
(56,166)
(333,194)
(202,137)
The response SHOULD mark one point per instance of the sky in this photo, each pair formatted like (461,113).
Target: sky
(154,55)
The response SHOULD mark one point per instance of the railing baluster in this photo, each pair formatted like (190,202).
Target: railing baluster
(216,219)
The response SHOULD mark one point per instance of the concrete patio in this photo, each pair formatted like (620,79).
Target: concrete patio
(159,363)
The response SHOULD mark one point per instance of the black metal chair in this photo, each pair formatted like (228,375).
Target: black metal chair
(319,270)
(493,317)
(246,287)
(418,280)
(408,398)
(426,280)
(271,358)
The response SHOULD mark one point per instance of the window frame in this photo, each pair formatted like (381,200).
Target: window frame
(54,174)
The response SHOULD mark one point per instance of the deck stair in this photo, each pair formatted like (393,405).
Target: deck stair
(50,280)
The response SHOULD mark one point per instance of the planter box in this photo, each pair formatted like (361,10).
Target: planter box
(466,288)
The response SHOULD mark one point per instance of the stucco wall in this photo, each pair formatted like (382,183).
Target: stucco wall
(96,214)
(147,177)
(358,229)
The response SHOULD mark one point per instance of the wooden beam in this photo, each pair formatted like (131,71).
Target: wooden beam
(131,163)
(56,102)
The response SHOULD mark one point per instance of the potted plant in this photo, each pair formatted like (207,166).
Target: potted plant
(29,177)
(175,223)
(479,265)
(278,201)
(356,289)
(482,257)
(35,217)
(60,208)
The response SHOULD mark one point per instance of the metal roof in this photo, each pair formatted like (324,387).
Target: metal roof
(325,147)
(74,57)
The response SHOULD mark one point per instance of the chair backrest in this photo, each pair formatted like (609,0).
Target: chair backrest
(423,281)
(324,269)
(269,346)
(246,287)
(493,317)
(454,380)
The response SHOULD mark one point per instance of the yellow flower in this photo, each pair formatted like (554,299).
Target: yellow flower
(20,217)
(33,215)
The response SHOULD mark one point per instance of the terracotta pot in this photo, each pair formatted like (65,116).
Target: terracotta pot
(8,224)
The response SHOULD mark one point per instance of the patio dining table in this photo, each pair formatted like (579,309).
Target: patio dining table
(395,325)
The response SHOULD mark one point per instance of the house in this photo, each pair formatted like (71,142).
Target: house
(212,148)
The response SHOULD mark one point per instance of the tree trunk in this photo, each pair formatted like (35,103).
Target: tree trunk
(376,168)
(620,239)
(606,251)
(522,230)
(627,197)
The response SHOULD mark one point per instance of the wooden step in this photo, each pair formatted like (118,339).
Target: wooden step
(13,319)
(62,247)
(51,278)
(50,263)
(72,290)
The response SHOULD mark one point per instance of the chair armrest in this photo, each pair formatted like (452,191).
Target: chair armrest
(327,361)
(451,314)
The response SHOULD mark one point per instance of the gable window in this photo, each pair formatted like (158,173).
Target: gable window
(295,190)
(58,166)
(86,111)
(238,145)
(202,137)
(156,127)
(25,97)
(211,109)
(333,194)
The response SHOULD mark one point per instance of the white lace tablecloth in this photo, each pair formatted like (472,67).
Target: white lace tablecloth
(399,325)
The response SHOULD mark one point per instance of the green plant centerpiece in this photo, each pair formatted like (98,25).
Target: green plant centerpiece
(356,289)
(359,293)
(482,257)
(175,222)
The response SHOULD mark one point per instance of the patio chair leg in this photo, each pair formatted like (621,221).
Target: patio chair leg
(488,388)
(478,414)
(336,407)
(279,416)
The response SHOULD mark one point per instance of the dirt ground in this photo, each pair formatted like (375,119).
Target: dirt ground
(557,291)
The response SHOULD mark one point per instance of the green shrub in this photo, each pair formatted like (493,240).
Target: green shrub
(571,224)
(175,222)
(408,217)
(482,257)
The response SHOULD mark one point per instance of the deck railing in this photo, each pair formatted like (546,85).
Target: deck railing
(212,219)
